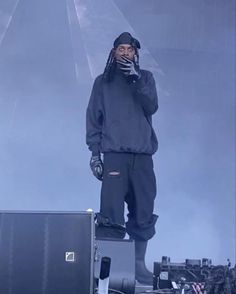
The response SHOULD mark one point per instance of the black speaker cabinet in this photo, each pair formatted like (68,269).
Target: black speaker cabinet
(46,252)
(122,271)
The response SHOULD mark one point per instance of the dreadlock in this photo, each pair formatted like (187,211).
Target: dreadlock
(110,67)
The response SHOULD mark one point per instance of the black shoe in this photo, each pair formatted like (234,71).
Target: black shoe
(142,274)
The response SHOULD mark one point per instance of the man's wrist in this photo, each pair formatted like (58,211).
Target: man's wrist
(95,150)
(95,153)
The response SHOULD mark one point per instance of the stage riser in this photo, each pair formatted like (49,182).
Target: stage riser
(33,250)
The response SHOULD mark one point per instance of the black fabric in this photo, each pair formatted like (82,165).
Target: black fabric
(126,38)
(127,178)
(119,114)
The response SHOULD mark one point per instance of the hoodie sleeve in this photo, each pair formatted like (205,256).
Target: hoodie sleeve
(94,118)
(145,93)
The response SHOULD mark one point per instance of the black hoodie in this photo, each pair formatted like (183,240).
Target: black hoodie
(118,117)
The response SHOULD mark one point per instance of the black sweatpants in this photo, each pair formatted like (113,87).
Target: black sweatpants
(129,178)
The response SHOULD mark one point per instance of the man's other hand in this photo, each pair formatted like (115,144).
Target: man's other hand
(96,166)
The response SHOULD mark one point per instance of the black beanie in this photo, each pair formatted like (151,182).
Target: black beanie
(126,38)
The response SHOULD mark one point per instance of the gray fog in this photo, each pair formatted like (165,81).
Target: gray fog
(50,53)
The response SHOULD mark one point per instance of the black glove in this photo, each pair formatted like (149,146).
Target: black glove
(130,68)
(96,166)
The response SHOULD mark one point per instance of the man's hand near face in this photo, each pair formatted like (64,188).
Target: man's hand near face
(129,67)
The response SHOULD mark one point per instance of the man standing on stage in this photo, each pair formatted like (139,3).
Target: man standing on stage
(119,125)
